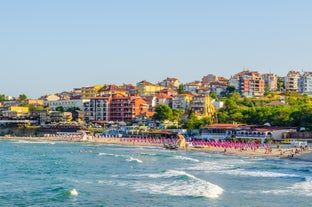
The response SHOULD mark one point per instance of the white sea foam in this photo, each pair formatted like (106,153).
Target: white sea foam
(186,158)
(127,158)
(131,159)
(34,142)
(242,172)
(193,186)
(304,188)
(73,192)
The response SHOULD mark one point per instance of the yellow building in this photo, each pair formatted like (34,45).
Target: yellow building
(35,102)
(145,88)
(90,91)
(19,109)
(203,105)
(15,111)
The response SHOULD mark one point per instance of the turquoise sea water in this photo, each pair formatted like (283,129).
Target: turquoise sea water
(88,174)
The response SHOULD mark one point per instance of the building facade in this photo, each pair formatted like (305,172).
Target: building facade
(305,83)
(292,81)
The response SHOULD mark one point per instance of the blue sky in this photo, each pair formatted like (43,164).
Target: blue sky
(54,46)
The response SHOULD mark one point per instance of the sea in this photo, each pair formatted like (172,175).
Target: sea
(45,173)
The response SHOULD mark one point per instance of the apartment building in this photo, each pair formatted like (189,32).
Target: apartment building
(202,105)
(170,83)
(90,91)
(305,83)
(116,107)
(292,81)
(182,101)
(145,88)
(248,83)
(270,81)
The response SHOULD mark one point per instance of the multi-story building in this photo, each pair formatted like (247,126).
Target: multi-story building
(162,98)
(129,89)
(97,109)
(217,87)
(203,91)
(126,108)
(182,101)
(145,88)
(170,83)
(270,81)
(15,111)
(202,105)
(292,81)
(90,91)
(305,83)
(206,80)
(116,107)
(192,87)
(250,83)
(110,89)
(66,104)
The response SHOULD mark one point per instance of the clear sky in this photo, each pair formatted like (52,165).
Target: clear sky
(54,46)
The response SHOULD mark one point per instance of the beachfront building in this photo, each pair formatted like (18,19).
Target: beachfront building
(270,81)
(182,101)
(292,81)
(243,132)
(145,88)
(88,92)
(305,83)
(219,131)
(202,105)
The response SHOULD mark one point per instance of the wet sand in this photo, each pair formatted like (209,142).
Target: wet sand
(284,152)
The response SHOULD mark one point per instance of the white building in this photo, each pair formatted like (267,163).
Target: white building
(305,83)
(66,104)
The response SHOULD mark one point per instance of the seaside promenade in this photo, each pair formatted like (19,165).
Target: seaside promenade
(227,148)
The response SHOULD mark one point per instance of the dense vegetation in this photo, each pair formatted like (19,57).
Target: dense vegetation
(296,110)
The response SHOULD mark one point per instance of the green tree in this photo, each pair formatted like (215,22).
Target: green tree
(60,108)
(213,95)
(163,112)
(22,97)
(2,97)
(176,114)
(181,90)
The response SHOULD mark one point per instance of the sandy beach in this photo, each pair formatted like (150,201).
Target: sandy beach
(274,152)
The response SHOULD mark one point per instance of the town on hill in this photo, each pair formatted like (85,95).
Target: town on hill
(246,105)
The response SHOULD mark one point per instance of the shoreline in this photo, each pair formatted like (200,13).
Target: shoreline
(292,153)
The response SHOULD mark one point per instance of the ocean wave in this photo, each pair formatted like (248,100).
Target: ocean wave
(126,158)
(186,158)
(33,142)
(242,172)
(184,184)
(132,159)
(300,188)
